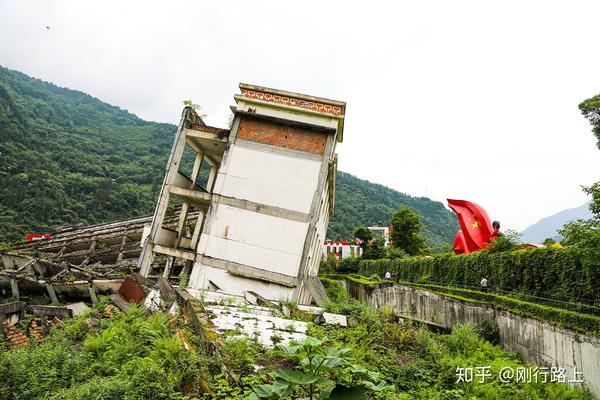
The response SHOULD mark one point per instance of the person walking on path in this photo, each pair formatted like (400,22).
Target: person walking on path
(484,283)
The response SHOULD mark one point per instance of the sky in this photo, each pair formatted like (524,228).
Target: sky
(474,100)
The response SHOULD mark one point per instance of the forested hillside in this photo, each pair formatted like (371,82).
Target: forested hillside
(69,158)
(360,202)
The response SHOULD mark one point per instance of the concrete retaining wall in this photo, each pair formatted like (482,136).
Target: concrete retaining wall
(537,342)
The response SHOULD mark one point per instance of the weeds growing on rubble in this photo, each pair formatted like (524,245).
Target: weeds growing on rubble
(113,355)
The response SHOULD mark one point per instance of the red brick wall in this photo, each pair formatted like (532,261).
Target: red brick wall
(282,135)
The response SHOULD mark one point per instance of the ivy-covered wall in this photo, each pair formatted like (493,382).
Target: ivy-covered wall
(569,273)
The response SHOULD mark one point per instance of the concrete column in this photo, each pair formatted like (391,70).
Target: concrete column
(14,287)
(197,230)
(123,242)
(184,276)
(168,267)
(183,214)
(211,178)
(196,169)
(147,255)
(51,293)
(92,291)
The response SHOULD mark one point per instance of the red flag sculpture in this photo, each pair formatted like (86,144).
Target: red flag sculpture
(476,229)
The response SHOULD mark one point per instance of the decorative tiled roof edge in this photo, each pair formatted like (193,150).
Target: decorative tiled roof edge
(298,100)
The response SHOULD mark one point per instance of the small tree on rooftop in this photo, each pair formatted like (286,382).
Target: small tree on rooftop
(406,232)
(195,107)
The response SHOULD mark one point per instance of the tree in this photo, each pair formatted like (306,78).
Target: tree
(406,232)
(549,242)
(590,109)
(375,250)
(504,242)
(580,232)
(594,191)
(586,233)
(392,253)
(363,233)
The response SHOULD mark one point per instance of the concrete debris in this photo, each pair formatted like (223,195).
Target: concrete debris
(49,311)
(79,308)
(335,319)
(175,309)
(135,289)
(257,323)
(269,326)
(153,300)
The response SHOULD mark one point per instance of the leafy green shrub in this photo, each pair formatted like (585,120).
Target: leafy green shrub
(348,265)
(127,356)
(326,372)
(489,331)
(334,288)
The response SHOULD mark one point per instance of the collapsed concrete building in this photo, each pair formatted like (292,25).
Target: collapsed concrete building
(263,211)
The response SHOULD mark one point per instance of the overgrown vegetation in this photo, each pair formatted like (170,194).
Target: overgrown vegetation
(571,273)
(68,158)
(126,356)
(132,356)
(419,364)
(322,372)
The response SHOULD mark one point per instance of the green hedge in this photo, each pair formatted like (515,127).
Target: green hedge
(582,323)
(567,273)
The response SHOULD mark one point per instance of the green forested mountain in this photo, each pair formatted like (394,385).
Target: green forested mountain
(360,202)
(69,158)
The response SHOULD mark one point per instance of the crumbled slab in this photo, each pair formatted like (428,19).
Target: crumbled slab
(207,296)
(235,316)
(311,309)
(79,308)
(335,319)
(153,300)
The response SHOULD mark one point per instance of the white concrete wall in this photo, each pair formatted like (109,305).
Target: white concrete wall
(255,239)
(236,285)
(278,180)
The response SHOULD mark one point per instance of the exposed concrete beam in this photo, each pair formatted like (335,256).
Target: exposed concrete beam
(169,251)
(198,199)
(248,271)
(262,208)
(198,134)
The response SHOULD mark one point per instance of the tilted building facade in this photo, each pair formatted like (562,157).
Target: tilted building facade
(265,207)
